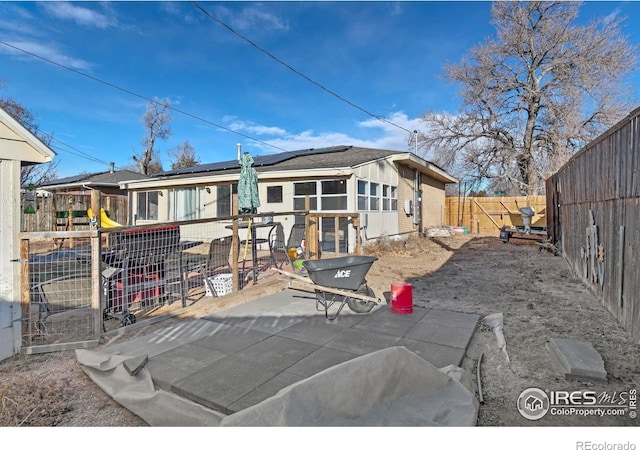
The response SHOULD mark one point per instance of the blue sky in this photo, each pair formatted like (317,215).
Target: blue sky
(384,57)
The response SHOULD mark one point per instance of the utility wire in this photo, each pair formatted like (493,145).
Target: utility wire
(279,61)
(127,91)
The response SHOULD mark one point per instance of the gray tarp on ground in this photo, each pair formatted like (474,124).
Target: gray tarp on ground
(390,387)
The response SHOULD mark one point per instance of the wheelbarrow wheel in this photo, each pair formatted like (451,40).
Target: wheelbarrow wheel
(128,319)
(361,306)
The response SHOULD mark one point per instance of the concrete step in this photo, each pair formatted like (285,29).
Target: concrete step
(577,359)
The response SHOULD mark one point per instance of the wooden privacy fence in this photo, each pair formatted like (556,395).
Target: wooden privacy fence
(594,212)
(51,213)
(486,215)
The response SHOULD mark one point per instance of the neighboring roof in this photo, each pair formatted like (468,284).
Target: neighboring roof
(309,159)
(19,144)
(100,179)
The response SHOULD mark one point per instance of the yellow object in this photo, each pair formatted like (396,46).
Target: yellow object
(105,222)
(246,241)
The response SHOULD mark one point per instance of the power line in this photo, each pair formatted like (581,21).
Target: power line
(279,61)
(127,91)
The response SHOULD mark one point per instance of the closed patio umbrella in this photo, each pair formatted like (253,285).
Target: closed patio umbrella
(248,199)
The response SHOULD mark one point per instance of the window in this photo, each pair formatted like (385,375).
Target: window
(386,202)
(374,199)
(389,198)
(394,198)
(223,200)
(370,195)
(363,200)
(334,195)
(147,206)
(300,191)
(183,204)
(274,194)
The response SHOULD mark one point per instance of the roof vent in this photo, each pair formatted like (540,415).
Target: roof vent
(112,167)
(239,146)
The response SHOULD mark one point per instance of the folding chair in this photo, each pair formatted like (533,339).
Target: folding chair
(296,236)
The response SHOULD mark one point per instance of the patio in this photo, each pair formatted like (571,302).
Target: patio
(239,357)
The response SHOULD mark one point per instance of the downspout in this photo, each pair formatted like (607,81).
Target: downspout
(416,190)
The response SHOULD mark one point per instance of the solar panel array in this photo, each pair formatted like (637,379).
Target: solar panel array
(260,160)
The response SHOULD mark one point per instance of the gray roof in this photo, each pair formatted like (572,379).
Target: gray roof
(96,179)
(313,158)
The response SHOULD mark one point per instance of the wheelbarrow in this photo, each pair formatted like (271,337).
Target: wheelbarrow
(339,280)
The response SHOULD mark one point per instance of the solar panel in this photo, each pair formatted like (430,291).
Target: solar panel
(259,160)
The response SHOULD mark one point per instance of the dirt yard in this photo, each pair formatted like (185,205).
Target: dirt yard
(536,292)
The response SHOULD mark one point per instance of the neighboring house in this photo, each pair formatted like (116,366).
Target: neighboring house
(107,182)
(18,147)
(395,192)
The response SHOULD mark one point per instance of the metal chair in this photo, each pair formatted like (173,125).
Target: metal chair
(296,236)
(278,250)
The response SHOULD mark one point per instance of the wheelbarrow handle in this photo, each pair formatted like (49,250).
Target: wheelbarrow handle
(331,290)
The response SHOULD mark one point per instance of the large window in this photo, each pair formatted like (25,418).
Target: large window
(376,197)
(147,203)
(183,204)
(300,191)
(330,195)
(334,195)
(224,194)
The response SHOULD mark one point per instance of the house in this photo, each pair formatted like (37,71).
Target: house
(18,147)
(395,192)
(79,187)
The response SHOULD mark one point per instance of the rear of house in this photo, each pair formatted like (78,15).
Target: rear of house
(394,192)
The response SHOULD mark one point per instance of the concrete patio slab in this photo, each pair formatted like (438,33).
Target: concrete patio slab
(321,359)
(266,390)
(271,323)
(442,333)
(191,330)
(437,354)
(577,359)
(451,318)
(360,342)
(170,367)
(385,322)
(233,359)
(314,330)
(232,339)
(226,381)
(150,345)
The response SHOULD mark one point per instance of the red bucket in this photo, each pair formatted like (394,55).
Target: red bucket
(401,298)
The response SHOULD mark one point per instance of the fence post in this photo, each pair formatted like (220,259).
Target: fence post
(25,290)
(96,287)
(95,207)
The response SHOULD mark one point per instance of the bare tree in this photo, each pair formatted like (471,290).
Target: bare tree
(36,174)
(183,155)
(157,125)
(533,95)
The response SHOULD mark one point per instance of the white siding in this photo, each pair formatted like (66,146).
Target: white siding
(10,310)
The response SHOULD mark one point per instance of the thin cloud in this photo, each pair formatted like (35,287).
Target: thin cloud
(251,17)
(45,51)
(252,128)
(79,14)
